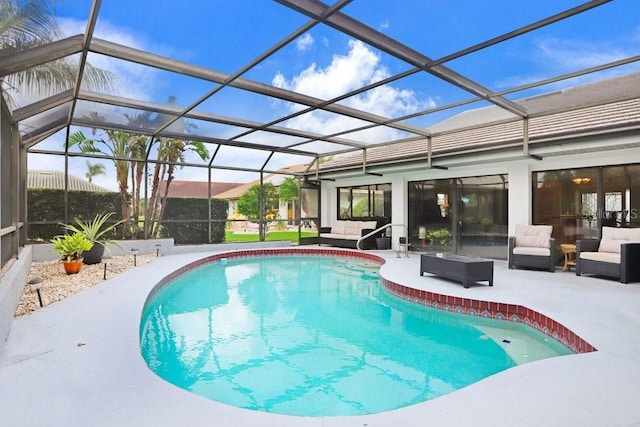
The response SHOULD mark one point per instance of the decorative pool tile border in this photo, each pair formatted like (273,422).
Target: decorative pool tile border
(472,307)
(495,310)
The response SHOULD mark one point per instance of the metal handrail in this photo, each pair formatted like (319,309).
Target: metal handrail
(379,229)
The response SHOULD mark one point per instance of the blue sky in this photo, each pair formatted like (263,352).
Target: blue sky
(226,36)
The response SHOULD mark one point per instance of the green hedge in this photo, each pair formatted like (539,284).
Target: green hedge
(48,205)
(191,209)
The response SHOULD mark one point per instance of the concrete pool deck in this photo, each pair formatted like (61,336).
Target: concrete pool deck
(77,362)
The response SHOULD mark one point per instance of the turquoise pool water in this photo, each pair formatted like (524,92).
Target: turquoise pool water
(317,336)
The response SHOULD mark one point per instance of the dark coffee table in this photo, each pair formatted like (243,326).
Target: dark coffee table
(463,269)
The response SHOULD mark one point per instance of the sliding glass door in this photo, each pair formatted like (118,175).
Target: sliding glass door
(431,223)
(483,216)
(464,215)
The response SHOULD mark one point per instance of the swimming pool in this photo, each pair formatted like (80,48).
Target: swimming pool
(340,346)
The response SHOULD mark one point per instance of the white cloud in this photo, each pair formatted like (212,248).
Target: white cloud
(345,73)
(358,68)
(133,80)
(105,31)
(569,55)
(553,56)
(305,42)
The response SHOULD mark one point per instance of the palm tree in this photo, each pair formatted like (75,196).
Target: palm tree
(128,151)
(24,25)
(94,169)
(171,151)
(117,146)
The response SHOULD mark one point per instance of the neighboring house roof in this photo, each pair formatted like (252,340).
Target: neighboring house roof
(196,189)
(490,127)
(55,180)
(275,179)
(236,192)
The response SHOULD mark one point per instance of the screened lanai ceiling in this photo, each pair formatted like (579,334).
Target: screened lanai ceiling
(270,84)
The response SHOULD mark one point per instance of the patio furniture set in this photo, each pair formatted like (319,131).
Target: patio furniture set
(615,255)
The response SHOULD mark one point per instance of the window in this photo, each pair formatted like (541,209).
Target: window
(579,201)
(366,201)
(567,200)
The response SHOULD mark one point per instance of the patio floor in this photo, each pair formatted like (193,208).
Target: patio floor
(77,362)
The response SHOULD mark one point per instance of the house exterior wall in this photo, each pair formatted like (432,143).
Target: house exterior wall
(519,172)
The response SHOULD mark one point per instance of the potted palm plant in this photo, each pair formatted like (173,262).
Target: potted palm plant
(71,247)
(96,232)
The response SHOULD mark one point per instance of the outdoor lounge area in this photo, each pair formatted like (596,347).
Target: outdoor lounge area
(502,138)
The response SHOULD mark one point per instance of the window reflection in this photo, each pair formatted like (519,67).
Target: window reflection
(483,216)
(578,201)
(567,200)
(364,202)
(464,215)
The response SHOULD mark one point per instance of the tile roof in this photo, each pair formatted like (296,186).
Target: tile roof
(55,180)
(197,189)
(493,127)
(275,179)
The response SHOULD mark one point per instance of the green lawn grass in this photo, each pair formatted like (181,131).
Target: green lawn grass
(231,237)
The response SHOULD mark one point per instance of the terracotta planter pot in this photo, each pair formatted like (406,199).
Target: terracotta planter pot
(72,267)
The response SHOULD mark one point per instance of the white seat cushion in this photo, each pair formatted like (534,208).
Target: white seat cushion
(338,227)
(533,236)
(526,250)
(601,256)
(352,228)
(613,237)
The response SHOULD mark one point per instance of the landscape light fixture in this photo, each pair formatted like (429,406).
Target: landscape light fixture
(36,285)
(105,260)
(158,245)
(134,251)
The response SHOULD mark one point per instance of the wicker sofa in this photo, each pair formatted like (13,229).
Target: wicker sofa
(533,247)
(616,254)
(345,234)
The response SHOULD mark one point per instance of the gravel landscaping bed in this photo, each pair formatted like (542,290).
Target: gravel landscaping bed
(57,285)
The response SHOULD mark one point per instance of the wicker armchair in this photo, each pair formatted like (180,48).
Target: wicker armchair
(533,247)
(616,255)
